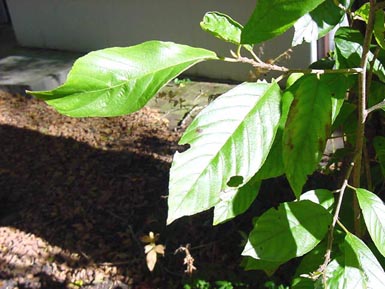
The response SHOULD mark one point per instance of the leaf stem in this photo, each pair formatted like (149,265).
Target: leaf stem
(343,227)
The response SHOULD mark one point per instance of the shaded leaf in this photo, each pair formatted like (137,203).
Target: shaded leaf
(235,201)
(231,137)
(373,210)
(117,81)
(379,146)
(307,129)
(291,231)
(271,18)
(273,166)
(249,263)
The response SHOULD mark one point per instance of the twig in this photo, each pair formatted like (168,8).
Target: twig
(377,106)
(273,67)
(188,260)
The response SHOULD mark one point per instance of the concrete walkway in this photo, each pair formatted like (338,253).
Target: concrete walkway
(24,69)
(27,68)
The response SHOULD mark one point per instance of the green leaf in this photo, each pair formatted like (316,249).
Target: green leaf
(376,94)
(118,81)
(273,166)
(358,268)
(231,137)
(361,266)
(271,18)
(307,129)
(235,201)
(291,231)
(223,27)
(308,267)
(249,263)
(322,197)
(318,22)
(348,43)
(363,12)
(379,146)
(373,210)
(379,28)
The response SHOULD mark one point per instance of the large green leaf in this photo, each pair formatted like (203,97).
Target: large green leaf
(307,129)
(236,201)
(118,81)
(273,17)
(318,22)
(291,231)
(348,43)
(273,166)
(373,210)
(229,138)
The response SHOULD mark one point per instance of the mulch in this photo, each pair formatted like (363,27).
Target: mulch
(77,195)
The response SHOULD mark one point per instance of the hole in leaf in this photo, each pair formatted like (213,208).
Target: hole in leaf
(235,181)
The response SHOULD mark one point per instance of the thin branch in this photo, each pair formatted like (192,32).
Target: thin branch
(377,106)
(272,67)
(362,113)
(328,253)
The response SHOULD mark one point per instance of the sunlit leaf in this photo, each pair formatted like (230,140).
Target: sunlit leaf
(320,196)
(363,12)
(271,18)
(361,266)
(348,43)
(307,129)
(223,27)
(373,210)
(117,81)
(290,231)
(318,22)
(151,258)
(229,138)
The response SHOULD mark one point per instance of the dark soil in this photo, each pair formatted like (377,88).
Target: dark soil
(77,196)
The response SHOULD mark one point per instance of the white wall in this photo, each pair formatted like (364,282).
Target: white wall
(84,25)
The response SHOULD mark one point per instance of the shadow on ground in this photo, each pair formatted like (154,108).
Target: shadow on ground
(93,202)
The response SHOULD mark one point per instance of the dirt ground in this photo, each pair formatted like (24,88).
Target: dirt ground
(77,195)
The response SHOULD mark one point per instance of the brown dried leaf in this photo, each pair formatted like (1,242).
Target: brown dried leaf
(151,260)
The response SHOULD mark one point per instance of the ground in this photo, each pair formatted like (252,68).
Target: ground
(77,196)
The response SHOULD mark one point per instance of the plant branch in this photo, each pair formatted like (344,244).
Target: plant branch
(263,66)
(362,113)
(328,253)
(377,106)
